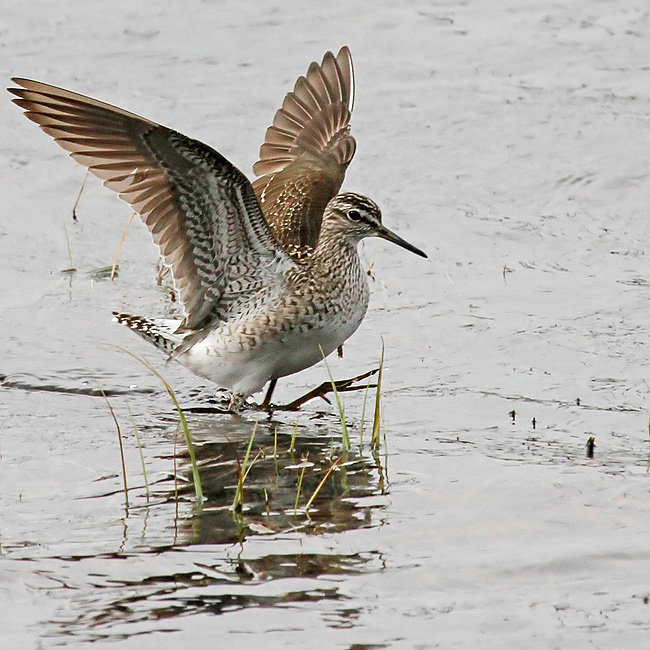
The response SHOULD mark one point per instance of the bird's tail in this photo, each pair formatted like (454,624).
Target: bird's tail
(158,331)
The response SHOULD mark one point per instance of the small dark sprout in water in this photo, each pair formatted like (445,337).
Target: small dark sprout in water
(591,444)
(534,423)
(646,599)
(512,415)
(244,571)
(577,401)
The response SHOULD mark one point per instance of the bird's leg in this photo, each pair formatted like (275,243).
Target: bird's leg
(266,403)
(341,386)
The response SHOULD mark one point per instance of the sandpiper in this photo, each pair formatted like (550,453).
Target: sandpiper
(267,273)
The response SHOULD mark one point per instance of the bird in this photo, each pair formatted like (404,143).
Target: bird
(267,273)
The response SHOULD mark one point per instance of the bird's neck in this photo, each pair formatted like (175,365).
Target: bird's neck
(336,258)
(331,245)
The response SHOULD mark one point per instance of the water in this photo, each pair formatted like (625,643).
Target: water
(508,140)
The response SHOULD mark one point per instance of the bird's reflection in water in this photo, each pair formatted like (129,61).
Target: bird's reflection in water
(287,464)
(218,560)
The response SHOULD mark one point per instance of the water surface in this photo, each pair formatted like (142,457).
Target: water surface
(510,142)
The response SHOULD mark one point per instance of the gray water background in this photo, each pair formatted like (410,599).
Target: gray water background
(507,139)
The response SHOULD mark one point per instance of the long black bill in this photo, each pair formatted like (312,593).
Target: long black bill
(389,235)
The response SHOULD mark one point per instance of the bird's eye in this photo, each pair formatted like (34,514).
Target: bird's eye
(354,215)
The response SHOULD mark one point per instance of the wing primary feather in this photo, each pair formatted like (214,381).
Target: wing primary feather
(195,203)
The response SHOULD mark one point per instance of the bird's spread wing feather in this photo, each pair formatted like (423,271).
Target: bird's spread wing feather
(201,211)
(306,152)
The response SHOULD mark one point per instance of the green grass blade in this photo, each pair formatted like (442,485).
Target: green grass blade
(198,490)
(302,474)
(363,413)
(344,427)
(376,424)
(238,500)
(292,446)
(137,437)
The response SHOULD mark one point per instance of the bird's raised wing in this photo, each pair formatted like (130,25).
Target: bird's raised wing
(201,211)
(306,152)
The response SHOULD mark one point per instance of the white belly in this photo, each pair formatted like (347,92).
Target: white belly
(220,357)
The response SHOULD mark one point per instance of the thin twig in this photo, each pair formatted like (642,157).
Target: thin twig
(71,268)
(119,246)
(76,203)
(119,437)
(320,485)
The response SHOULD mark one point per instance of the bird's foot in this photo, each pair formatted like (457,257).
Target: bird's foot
(340,386)
(236,400)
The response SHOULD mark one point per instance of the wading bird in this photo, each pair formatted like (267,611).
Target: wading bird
(267,274)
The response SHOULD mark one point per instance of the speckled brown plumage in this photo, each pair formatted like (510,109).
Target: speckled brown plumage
(306,152)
